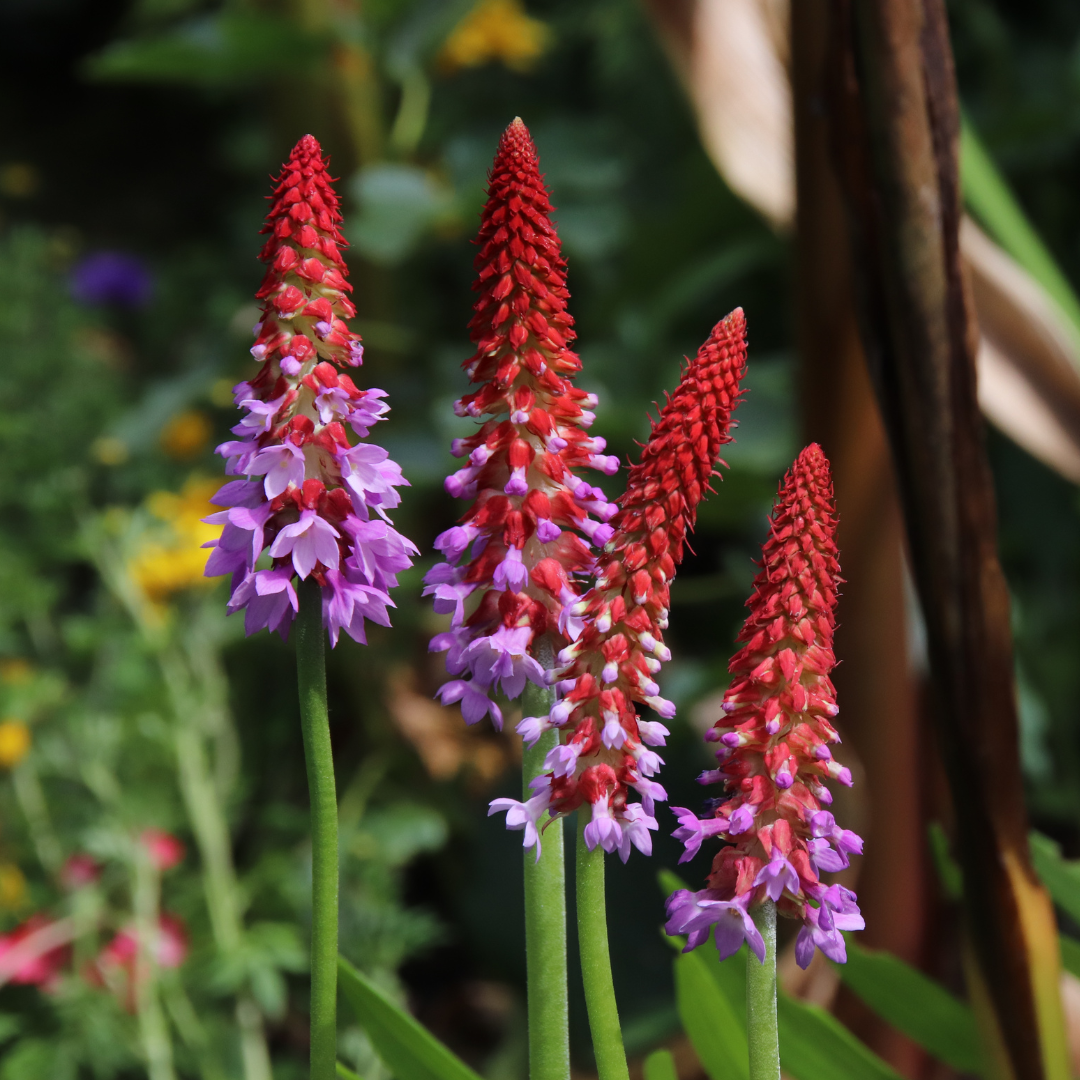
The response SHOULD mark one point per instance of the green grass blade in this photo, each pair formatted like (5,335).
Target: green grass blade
(988,197)
(407,1048)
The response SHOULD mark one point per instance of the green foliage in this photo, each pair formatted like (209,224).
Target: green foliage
(1060,876)
(229,49)
(814,1045)
(914,1004)
(660,1065)
(410,1051)
(714,1021)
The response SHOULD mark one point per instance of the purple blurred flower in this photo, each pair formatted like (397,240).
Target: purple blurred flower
(112,277)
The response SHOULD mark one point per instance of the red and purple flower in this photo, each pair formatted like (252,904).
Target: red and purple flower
(514,561)
(319,505)
(774,754)
(605,748)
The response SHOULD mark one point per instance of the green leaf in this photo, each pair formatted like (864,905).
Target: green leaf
(660,1065)
(1070,955)
(815,1046)
(989,198)
(1060,876)
(345,1073)
(715,1025)
(227,49)
(408,1049)
(670,882)
(912,1003)
(948,870)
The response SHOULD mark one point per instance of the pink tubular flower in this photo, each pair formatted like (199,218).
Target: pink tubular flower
(318,505)
(79,871)
(604,749)
(164,849)
(510,564)
(115,965)
(774,741)
(22,962)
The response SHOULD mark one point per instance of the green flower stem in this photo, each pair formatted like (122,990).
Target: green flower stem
(761,1029)
(153,1029)
(596,960)
(315,721)
(545,917)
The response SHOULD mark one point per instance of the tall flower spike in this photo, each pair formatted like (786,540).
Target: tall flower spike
(774,741)
(319,505)
(510,564)
(604,746)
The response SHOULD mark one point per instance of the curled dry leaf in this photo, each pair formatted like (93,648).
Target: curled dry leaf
(731,56)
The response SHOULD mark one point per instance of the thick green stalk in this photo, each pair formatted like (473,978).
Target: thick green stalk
(761,1030)
(596,960)
(545,918)
(315,721)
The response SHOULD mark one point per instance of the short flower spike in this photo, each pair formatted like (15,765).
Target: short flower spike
(320,506)
(774,754)
(511,564)
(618,647)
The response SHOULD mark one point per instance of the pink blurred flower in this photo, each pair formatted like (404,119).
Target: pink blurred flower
(79,871)
(164,849)
(21,963)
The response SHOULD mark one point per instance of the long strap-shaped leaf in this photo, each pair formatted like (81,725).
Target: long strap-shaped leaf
(409,1050)
(913,1003)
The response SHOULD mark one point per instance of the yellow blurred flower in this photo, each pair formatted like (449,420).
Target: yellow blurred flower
(12,887)
(174,559)
(15,671)
(14,742)
(495,30)
(186,435)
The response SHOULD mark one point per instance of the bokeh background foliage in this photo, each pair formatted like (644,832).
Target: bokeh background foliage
(137,141)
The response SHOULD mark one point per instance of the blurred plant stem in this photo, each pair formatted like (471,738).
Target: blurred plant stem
(596,959)
(190,1027)
(412,114)
(153,1030)
(762,1033)
(36,811)
(190,667)
(318,754)
(545,911)
(352,78)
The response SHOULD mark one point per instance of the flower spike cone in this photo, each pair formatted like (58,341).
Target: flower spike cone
(774,747)
(604,749)
(320,504)
(512,564)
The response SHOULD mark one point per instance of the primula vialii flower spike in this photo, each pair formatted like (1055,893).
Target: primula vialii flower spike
(604,747)
(511,562)
(319,505)
(774,751)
